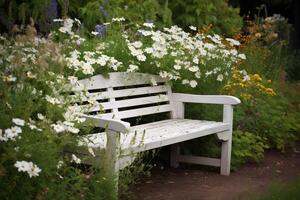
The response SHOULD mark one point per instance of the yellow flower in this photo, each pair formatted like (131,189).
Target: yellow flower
(242,85)
(256,77)
(270,91)
(246,96)
(227,87)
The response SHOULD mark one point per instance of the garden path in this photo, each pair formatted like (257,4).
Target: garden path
(191,183)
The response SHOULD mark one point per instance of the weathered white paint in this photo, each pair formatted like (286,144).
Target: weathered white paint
(208,99)
(199,160)
(133,93)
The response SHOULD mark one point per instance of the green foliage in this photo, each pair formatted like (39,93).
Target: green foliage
(246,146)
(93,12)
(224,18)
(31,82)
(130,175)
(293,63)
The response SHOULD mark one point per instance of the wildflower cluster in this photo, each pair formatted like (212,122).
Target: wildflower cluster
(271,29)
(171,53)
(36,121)
(248,86)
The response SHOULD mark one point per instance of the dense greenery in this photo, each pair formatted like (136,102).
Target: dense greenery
(223,18)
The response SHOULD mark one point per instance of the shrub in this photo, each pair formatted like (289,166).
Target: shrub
(223,18)
(147,11)
(246,146)
(36,125)
(266,46)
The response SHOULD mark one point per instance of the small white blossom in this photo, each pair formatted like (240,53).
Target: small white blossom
(91,151)
(120,19)
(141,57)
(193,83)
(18,121)
(24,166)
(132,68)
(137,44)
(58,128)
(233,42)
(184,81)
(246,78)
(177,67)
(242,56)
(59,164)
(58,20)
(194,69)
(12,132)
(69,126)
(40,116)
(52,100)
(193,28)
(198,74)
(30,75)
(9,78)
(34,127)
(220,77)
(149,50)
(149,25)
(87,68)
(196,60)
(75,159)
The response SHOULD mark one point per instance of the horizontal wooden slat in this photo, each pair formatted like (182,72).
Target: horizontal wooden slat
(139,91)
(125,103)
(144,111)
(140,101)
(119,79)
(125,93)
(199,160)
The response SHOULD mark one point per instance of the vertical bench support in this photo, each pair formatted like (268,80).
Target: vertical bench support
(111,166)
(226,138)
(178,112)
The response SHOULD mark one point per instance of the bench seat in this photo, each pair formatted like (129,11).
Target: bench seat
(157,134)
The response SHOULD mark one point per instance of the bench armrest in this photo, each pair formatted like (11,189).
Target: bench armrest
(110,124)
(208,99)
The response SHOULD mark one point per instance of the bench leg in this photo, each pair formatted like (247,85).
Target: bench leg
(226,157)
(111,166)
(175,151)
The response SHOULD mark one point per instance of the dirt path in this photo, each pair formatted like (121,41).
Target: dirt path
(200,184)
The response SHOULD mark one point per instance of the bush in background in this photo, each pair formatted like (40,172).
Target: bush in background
(223,18)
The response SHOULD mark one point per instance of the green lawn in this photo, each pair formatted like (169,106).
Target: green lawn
(290,191)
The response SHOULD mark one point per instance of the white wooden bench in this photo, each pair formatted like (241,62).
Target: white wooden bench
(126,95)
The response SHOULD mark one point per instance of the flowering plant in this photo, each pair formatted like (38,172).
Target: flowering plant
(36,124)
(181,57)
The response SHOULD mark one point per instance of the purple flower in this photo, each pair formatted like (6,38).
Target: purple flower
(52,10)
(101,29)
(103,11)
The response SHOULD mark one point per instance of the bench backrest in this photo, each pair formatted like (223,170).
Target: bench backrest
(125,95)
